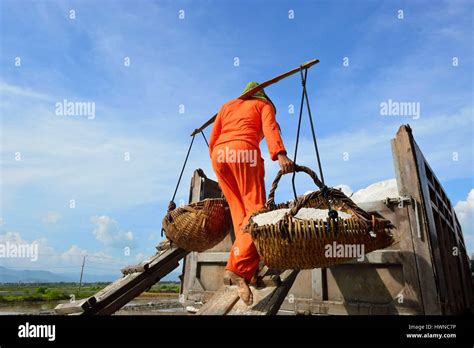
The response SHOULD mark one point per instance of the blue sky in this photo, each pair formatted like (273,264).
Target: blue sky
(190,62)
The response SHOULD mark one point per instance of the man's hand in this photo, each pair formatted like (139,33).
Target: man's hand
(286,165)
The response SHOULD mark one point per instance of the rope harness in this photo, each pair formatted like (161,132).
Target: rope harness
(172,204)
(324,189)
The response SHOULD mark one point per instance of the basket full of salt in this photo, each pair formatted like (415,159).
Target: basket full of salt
(305,233)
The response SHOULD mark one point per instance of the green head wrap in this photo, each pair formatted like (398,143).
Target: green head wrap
(259,95)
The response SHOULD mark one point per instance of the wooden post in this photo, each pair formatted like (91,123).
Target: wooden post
(82,272)
(408,182)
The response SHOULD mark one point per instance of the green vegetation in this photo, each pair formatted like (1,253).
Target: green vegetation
(33,292)
(166,287)
(46,292)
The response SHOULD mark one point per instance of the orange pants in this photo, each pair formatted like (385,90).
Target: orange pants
(240,172)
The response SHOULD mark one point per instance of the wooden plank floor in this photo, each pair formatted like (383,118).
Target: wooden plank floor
(267,297)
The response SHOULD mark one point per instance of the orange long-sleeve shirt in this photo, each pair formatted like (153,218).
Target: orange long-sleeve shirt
(250,120)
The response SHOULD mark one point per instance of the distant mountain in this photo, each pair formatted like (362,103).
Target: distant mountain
(8,275)
(91,277)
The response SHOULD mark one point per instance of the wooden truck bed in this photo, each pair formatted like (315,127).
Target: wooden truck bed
(419,274)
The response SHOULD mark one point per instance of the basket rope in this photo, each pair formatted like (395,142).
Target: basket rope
(324,198)
(172,204)
(276,181)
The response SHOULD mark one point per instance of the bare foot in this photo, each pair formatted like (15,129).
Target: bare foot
(243,290)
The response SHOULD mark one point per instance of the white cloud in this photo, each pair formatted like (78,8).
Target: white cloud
(107,232)
(74,254)
(68,261)
(8,89)
(46,256)
(465,214)
(86,158)
(51,217)
(12,237)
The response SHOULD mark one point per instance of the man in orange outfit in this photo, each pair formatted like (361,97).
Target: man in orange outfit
(234,148)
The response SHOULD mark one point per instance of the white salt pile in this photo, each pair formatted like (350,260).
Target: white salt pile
(270,218)
(345,189)
(377,192)
(274,216)
(311,213)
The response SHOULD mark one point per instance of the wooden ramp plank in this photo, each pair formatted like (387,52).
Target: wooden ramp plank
(221,302)
(76,306)
(138,283)
(267,298)
(117,294)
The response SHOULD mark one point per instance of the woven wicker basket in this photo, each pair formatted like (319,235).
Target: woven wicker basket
(294,243)
(198,226)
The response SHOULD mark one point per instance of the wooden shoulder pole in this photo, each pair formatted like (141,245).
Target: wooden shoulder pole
(261,86)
